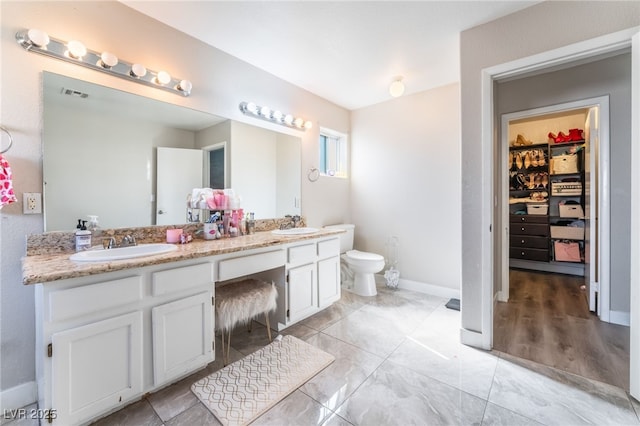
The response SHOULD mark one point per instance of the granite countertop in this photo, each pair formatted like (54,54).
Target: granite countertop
(43,268)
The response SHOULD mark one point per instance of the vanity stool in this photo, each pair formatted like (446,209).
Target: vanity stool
(240,302)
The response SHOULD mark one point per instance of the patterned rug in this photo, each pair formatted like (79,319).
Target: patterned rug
(245,389)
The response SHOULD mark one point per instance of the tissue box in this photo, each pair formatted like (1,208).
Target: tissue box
(537,209)
(571,210)
(567,232)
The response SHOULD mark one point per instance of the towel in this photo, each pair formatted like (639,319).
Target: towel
(7,196)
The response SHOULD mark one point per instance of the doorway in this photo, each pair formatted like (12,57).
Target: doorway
(490,270)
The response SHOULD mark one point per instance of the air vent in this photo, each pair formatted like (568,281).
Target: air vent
(75,93)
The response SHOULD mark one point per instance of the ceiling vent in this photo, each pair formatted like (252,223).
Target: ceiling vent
(74,93)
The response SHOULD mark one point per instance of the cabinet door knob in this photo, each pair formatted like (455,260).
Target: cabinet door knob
(522,241)
(522,219)
(522,228)
(522,253)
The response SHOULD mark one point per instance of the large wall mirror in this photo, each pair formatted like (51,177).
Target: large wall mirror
(100,157)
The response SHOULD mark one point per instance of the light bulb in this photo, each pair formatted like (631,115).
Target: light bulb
(108,60)
(163,78)
(277,115)
(288,119)
(265,111)
(298,122)
(185,86)
(252,108)
(38,38)
(396,88)
(308,125)
(76,49)
(138,71)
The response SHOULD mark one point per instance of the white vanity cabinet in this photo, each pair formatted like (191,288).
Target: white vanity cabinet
(104,340)
(313,279)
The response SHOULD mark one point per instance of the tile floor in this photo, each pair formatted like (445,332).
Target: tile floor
(399,362)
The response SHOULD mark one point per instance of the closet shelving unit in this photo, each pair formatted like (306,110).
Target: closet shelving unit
(535,226)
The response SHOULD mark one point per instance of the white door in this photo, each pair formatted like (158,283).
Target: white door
(178,171)
(182,336)
(95,367)
(303,295)
(328,281)
(591,243)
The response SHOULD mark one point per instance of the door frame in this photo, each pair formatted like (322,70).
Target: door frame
(489,245)
(600,180)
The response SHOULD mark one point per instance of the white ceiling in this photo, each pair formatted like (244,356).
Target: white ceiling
(346,51)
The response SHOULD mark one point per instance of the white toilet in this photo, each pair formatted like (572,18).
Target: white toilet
(357,267)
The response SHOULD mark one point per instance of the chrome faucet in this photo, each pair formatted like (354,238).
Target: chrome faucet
(128,240)
(293,222)
(109,243)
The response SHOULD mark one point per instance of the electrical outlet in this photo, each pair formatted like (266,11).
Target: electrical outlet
(32,203)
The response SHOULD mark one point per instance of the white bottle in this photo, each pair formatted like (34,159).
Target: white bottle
(83,237)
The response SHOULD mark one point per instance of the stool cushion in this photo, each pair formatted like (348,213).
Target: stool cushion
(240,301)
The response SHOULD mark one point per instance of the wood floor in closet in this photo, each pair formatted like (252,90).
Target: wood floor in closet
(547,320)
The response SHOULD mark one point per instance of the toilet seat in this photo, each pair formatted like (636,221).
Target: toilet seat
(363,255)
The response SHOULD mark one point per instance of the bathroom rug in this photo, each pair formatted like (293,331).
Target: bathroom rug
(240,392)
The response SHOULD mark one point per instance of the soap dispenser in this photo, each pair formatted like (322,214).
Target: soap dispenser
(83,236)
(96,232)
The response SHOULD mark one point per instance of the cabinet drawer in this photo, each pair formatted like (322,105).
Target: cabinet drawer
(529,254)
(329,248)
(540,230)
(74,302)
(529,242)
(302,254)
(246,265)
(179,279)
(528,218)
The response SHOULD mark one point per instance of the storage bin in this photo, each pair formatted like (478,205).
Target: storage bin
(566,188)
(565,251)
(566,163)
(571,210)
(568,232)
(537,209)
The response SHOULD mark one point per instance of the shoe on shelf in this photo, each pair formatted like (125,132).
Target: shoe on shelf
(510,163)
(541,160)
(521,141)
(518,161)
(575,135)
(527,160)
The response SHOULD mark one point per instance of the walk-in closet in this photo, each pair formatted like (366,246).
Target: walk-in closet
(562,297)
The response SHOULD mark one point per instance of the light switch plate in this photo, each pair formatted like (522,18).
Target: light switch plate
(32,203)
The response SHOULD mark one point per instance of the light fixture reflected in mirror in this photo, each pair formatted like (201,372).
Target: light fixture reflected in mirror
(275,116)
(37,41)
(396,88)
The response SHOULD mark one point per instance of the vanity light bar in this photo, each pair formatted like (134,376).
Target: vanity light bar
(73,51)
(275,116)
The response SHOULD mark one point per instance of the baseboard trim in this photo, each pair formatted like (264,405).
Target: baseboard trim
(18,396)
(620,318)
(471,338)
(420,287)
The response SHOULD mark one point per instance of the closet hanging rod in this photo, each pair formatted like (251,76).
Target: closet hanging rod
(10,140)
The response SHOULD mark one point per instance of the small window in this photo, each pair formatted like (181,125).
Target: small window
(333,153)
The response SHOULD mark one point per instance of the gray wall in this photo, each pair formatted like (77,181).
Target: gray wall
(540,28)
(611,77)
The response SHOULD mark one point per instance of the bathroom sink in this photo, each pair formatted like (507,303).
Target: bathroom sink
(120,253)
(294,231)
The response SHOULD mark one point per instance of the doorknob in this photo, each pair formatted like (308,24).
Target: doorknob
(160,212)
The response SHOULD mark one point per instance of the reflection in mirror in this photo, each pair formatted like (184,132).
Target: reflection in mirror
(100,157)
